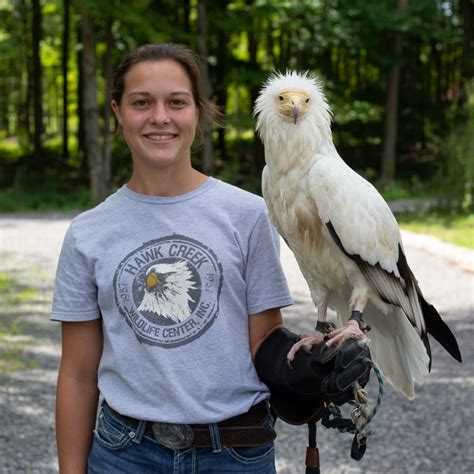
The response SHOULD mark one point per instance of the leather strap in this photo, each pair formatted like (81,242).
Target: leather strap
(239,431)
(235,437)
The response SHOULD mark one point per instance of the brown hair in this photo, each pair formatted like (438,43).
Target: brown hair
(189,61)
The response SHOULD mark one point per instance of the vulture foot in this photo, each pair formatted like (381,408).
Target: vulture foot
(350,331)
(325,327)
(306,342)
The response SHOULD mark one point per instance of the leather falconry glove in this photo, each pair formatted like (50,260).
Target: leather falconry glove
(300,390)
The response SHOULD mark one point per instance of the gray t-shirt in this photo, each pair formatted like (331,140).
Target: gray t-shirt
(174,280)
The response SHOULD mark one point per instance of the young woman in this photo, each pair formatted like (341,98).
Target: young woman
(165,290)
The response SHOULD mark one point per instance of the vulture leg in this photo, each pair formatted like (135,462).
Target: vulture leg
(307,341)
(352,329)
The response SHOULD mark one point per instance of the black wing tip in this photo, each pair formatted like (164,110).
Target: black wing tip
(457,354)
(440,330)
(426,343)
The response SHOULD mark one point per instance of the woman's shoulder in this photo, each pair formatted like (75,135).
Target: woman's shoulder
(240,198)
(108,211)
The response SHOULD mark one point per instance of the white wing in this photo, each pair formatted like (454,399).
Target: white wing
(362,225)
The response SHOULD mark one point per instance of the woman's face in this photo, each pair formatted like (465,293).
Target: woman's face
(158,114)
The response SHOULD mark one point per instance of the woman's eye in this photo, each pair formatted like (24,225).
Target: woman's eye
(178,103)
(140,103)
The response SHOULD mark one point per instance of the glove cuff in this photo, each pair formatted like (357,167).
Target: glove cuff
(286,399)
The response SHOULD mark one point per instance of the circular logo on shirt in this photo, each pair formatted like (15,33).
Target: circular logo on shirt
(168,290)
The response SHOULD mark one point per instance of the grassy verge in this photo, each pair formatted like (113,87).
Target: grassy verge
(453,227)
(20,200)
(12,342)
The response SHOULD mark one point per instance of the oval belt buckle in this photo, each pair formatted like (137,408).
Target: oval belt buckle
(173,436)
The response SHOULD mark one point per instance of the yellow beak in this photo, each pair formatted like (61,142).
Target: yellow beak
(152,280)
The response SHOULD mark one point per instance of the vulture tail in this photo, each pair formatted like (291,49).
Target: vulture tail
(397,349)
(426,343)
(439,329)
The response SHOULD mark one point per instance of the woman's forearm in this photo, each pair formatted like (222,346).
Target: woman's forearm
(76,408)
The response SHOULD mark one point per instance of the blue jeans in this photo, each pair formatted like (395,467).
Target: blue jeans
(118,448)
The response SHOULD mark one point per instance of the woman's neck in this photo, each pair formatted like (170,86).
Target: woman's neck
(165,182)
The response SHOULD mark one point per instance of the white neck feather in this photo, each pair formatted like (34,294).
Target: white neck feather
(288,145)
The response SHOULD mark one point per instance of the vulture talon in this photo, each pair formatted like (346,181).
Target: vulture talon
(324,327)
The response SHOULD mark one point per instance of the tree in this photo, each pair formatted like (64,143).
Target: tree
(467,13)
(65,56)
(207,146)
(109,44)
(391,110)
(37,83)
(97,168)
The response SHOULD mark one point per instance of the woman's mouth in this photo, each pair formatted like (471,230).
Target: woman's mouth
(159,137)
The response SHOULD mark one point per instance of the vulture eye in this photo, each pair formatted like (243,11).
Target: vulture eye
(307,100)
(280,97)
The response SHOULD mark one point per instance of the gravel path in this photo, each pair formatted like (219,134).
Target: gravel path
(433,433)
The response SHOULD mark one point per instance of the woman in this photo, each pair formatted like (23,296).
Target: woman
(165,291)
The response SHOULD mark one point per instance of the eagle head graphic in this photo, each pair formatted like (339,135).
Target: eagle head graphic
(167,287)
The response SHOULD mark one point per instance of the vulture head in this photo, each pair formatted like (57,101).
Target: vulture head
(291,106)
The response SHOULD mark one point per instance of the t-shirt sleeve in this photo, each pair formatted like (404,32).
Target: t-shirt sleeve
(75,291)
(266,283)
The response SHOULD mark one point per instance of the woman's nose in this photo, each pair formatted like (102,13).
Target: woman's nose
(159,114)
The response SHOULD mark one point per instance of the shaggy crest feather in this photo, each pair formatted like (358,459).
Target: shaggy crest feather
(318,121)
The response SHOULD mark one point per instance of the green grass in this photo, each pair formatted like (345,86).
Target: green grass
(12,342)
(453,227)
(20,200)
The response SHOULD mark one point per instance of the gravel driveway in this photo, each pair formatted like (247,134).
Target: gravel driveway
(433,433)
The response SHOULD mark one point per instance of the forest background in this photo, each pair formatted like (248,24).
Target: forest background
(398,75)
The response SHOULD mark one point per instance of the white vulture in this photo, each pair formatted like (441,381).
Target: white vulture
(345,238)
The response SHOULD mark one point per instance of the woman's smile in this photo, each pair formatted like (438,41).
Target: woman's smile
(160,138)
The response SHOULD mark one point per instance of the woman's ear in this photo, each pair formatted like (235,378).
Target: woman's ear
(116,109)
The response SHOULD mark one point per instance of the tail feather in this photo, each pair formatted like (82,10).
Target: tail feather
(397,349)
(439,329)
(426,343)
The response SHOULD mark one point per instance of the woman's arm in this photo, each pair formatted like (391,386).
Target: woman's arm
(77,393)
(261,325)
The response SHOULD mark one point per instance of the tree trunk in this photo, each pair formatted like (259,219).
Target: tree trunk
(258,150)
(467,13)
(186,16)
(221,88)
(207,147)
(65,84)
(37,83)
(98,186)
(109,45)
(81,134)
(25,72)
(391,111)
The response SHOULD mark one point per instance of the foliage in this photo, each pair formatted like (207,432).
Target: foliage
(455,226)
(456,171)
(346,43)
(17,199)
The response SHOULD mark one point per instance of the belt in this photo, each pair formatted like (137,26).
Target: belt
(240,431)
